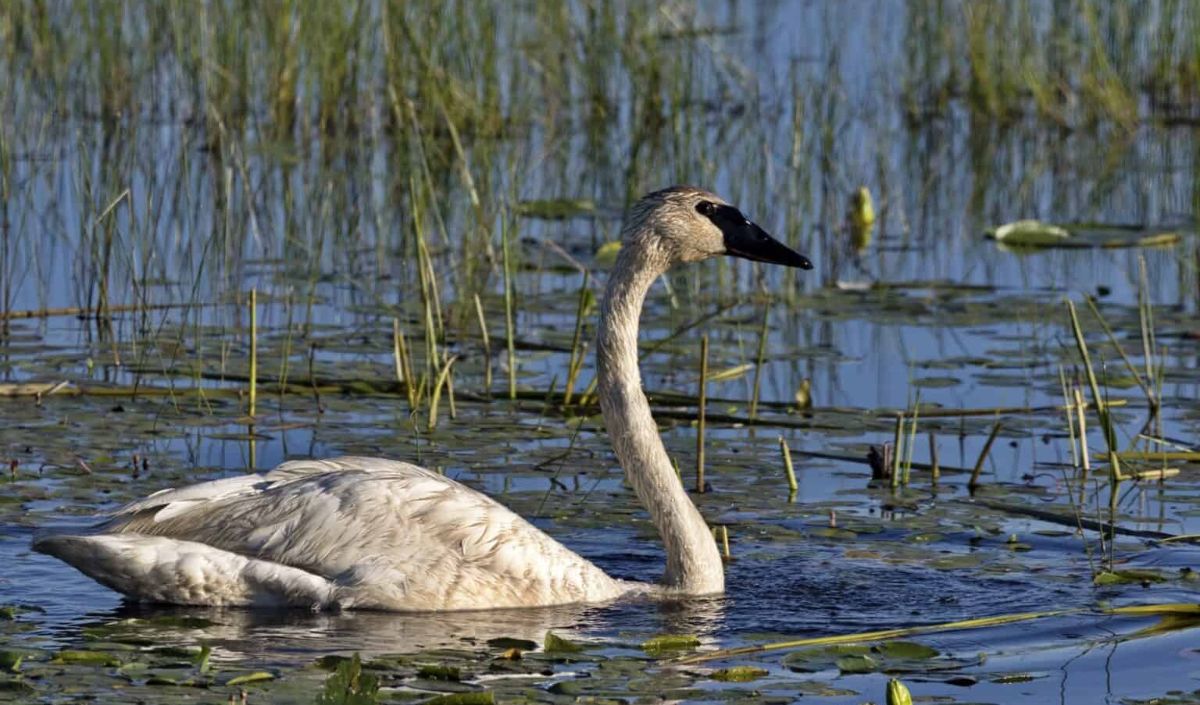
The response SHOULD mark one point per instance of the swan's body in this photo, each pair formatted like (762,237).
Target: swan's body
(380,534)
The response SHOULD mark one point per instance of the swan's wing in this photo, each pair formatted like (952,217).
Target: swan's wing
(170,502)
(390,534)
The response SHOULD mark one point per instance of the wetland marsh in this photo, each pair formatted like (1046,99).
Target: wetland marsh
(422,198)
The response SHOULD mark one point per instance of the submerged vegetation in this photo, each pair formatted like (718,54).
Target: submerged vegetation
(232,233)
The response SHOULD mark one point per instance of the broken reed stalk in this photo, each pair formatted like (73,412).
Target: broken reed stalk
(912,439)
(987,447)
(436,395)
(487,346)
(576,361)
(397,359)
(1070,406)
(725,542)
(897,449)
(935,471)
(760,358)
(508,308)
(703,399)
(253,350)
(787,466)
(1146,322)
(1106,423)
(404,360)
(1085,461)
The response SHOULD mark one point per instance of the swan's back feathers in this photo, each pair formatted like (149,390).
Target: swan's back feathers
(384,534)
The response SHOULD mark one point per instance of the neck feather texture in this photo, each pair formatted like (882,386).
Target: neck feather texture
(693,563)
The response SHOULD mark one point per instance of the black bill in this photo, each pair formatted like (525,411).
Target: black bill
(745,239)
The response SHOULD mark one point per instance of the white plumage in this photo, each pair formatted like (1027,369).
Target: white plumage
(379,534)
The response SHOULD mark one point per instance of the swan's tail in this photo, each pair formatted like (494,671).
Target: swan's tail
(160,569)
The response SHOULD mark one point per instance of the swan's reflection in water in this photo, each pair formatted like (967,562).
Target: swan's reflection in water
(293,636)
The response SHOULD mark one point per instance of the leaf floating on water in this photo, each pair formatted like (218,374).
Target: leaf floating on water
(255,677)
(438,672)
(1030,233)
(856,664)
(670,642)
(98,658)
(1127,577)
(905,650)
(738,674)
(557,645)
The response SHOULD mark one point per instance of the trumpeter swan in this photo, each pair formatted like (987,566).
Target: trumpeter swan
(381,534)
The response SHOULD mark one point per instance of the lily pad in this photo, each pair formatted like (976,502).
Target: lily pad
(738,674)
(1129,577)
(670,642)
(1030,233)
(555,644)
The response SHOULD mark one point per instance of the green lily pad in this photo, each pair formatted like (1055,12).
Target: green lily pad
(738,674)
(1130,576)
(98,658)
(555,644)
(438,672)
(904,650)
(670,642)
(1030,233)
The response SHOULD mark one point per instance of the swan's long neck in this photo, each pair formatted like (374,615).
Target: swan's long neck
(693,563)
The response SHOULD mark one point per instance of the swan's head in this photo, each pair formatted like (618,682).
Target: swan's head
(684,224)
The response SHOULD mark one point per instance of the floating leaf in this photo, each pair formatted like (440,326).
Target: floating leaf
(670,642)
(856,664)
(904,650)
(99,658)
(1030,233)
(438,672)
(557,644)
(1131,576)
(738,674)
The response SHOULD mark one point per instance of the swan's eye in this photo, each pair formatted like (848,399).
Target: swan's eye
(706,208)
